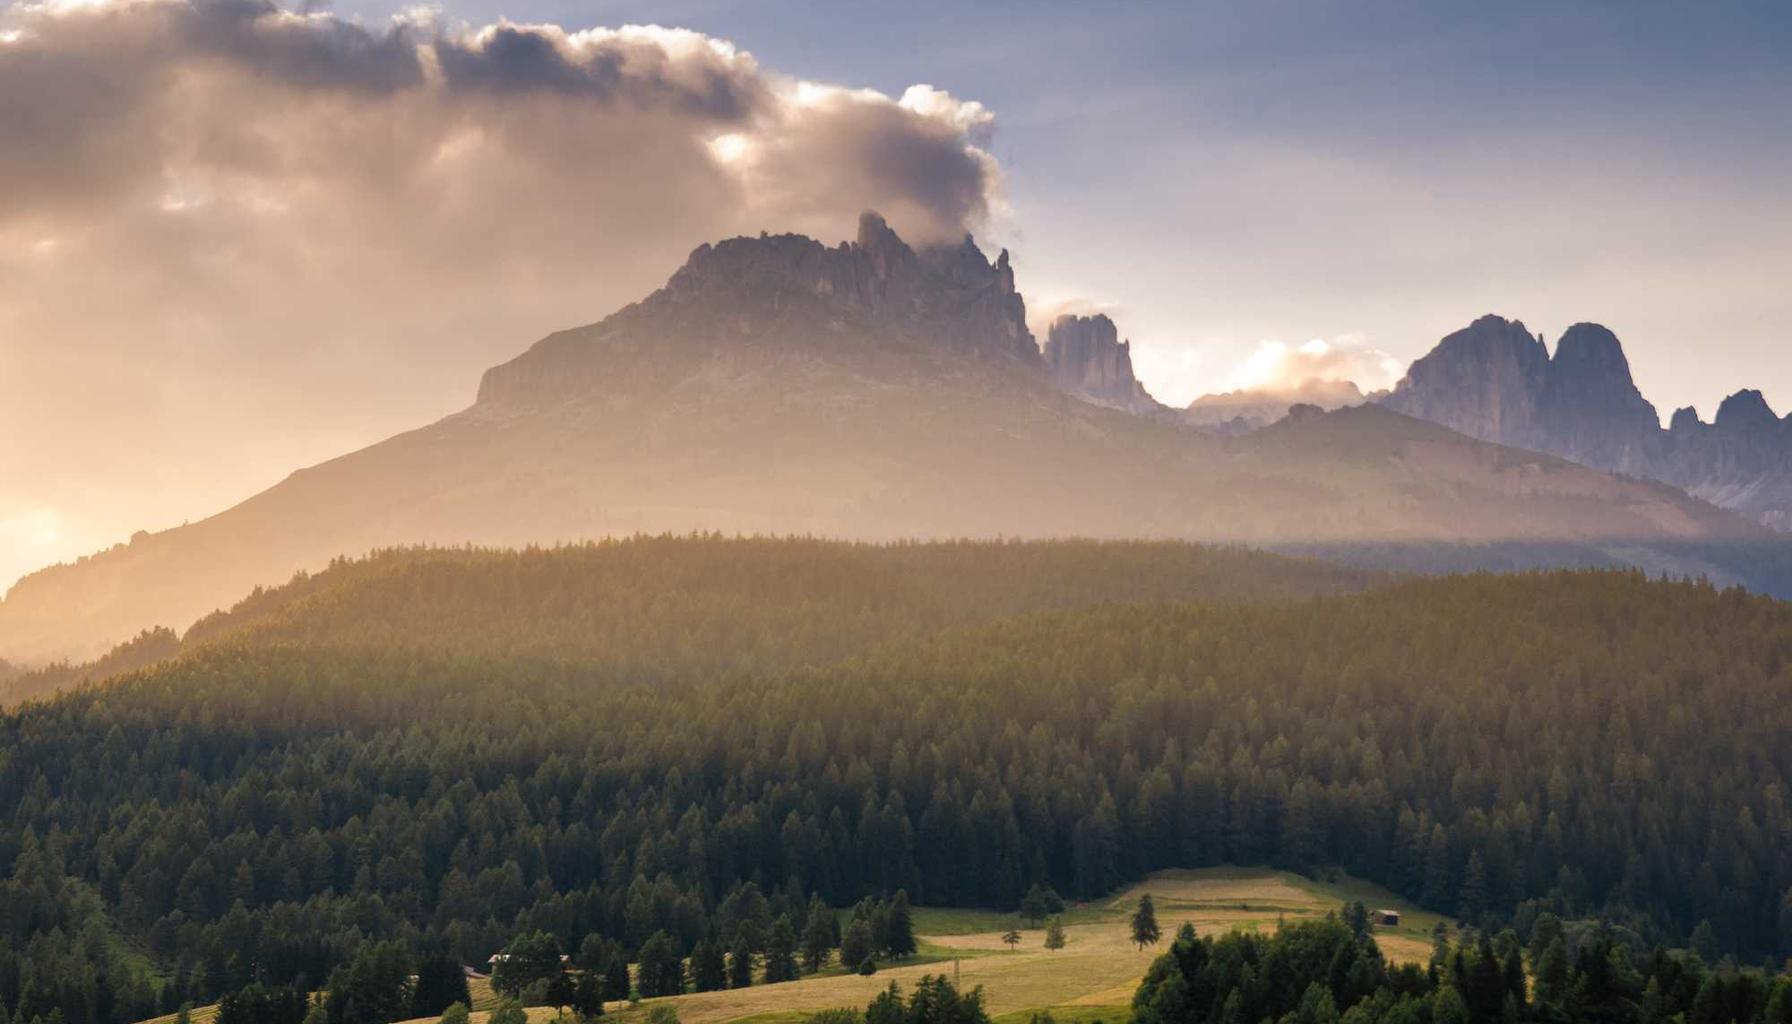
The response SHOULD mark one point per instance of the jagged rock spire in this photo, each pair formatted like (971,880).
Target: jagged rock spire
(1086,358)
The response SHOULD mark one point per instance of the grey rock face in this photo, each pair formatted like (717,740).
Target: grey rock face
(1486,381)
(1086,358)
(1495,382)
(792,290)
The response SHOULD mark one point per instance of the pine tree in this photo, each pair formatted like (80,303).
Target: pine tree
(887,1008)
(1437,869)
(818,934)
(1474,888)
(1704,942)
(709,966)
(855,945)
(441,982)
(560,991)
(1145,931)
(740,960)
(1012,938)
(1054,934)
(1552,974)
(616,980)
(900,942)
(661,969)
(530,957)
(780,953)
(588,996)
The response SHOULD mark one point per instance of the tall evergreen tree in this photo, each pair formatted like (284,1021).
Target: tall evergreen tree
(818,934)
(1145,931)
(709,966)
(780,953)
(616,980)
(855,945)
(660,968)
(588,996)
(441,982)
(900,941)
(740,960)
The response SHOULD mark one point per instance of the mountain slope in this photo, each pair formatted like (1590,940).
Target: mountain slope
(869,390)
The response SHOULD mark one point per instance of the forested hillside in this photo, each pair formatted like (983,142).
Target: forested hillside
(451,749)
(684,607)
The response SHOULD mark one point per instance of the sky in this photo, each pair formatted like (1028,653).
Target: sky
(236,240)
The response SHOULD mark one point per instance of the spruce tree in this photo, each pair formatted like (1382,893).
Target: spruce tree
(1474,889)
(780,953)
(900,929)
(709,966)
(588,996)
(855,945)
(1145,931)
(740,960)
(441,982)
(1054,934)
(818,934)
(530,957)
(616,980)
(560,991)
(661,969)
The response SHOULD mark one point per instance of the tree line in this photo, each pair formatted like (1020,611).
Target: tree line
(1330,971)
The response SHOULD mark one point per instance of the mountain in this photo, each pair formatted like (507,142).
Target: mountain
(1238,412)
(869,390)
(1086,358)
(1495,381)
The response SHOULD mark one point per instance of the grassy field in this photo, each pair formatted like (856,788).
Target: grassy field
(1091,980)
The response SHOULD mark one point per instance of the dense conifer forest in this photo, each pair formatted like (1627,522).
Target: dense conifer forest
(1331,972)
(642,744)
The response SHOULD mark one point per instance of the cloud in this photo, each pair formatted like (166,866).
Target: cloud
(236,238)
(1279,366)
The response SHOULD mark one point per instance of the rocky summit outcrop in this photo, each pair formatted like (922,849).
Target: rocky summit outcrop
(791,291)
(1485,381)
(1495,381)
(1086,358)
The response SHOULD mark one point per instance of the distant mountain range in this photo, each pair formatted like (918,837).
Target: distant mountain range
(1495,381)
(1238,412)
(873,390)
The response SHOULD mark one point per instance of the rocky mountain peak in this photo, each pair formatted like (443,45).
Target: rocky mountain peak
(1592,351)
(1485,381)
(1685,420)
(1086,358)
(1746,411)
(788,291)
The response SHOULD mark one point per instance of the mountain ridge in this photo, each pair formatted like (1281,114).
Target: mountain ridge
(869,391)
(1495,381)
